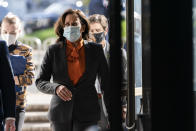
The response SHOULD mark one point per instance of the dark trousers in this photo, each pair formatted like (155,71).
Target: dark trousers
(1,126)
(103,122)
(20,116)
(72,126)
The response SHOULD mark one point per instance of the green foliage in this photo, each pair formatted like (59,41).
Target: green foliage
(43,34)
(86,2)
(123,32)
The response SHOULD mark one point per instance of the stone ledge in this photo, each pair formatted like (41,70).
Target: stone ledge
(37,108)
(36,127)
(31,117)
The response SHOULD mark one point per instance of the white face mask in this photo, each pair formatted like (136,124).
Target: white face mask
(10,39)
(72,33)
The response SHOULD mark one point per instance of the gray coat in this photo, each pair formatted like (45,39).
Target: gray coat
(106,50)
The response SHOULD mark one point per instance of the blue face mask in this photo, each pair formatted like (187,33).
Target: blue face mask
(72,33)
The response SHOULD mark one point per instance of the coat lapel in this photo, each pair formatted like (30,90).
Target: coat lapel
(86,49)
(64,62)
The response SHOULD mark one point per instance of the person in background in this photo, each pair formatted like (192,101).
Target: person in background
(7,91)
(99,30)
(74,64)
(100,7)
(21,60)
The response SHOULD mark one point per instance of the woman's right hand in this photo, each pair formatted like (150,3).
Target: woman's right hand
(64,93)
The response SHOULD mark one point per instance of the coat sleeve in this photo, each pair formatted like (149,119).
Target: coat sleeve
(103,74)
(43,80)
(124,77)
(124,69)
(7,86)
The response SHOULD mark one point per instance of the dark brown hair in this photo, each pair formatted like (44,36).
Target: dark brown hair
(97,18)
(60,23)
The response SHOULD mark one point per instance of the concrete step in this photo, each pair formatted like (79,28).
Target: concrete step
(31,117)
(37,108)
(36,127)
(36,112)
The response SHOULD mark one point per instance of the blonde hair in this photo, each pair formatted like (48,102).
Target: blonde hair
(101,19)
(12,19)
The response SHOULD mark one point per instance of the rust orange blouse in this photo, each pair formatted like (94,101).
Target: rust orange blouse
(75,60)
